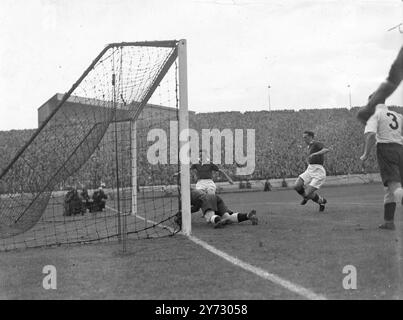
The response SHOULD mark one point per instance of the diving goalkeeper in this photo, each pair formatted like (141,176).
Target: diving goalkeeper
(215,211)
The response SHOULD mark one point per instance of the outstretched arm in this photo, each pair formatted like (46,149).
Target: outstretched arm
(321,151)
(318,153)
(226,176)
(192,169)
(382,93)
(385,89)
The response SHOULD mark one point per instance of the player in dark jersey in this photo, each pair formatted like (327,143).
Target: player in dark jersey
(315,175)
(386,88)
(204,173)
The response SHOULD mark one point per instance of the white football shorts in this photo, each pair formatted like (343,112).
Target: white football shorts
(207,185)
(314,175)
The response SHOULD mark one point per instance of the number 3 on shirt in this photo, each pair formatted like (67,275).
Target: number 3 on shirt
(394,125)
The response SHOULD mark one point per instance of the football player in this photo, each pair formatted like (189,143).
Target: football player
(384,128)
(314,176)
(204,173)
(215,211)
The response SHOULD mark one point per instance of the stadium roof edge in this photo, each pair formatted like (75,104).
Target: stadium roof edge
(95,102)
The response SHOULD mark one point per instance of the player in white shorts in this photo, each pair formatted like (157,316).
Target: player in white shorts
(204,172)
(384,128)
(315,175)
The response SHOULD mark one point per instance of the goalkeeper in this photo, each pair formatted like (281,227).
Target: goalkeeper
(215,211)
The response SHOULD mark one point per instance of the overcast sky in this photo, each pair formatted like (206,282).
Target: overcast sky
(307,51)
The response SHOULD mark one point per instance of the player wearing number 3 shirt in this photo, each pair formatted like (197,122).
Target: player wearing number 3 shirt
(384,128)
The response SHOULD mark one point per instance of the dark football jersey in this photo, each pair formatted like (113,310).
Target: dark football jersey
(316,146)
(204,171)
(201,200)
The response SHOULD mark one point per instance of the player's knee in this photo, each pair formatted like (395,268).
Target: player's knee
(298,187)
(393,186)
(208,215)
(397,190)
(393,192)
(389,196)
(214,218)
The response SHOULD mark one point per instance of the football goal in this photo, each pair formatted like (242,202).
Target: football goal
(91,172)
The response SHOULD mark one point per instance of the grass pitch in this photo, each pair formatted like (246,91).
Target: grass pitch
(294,242)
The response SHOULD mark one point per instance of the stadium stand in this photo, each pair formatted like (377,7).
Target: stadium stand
(280,151)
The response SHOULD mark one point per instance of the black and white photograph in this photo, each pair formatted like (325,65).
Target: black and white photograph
(201,154)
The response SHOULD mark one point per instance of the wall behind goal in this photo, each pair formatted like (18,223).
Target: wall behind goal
(79,108)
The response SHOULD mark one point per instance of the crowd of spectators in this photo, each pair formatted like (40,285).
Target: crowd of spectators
(279,149)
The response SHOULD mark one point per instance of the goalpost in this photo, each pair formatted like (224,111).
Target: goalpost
(97,134)
(183,126)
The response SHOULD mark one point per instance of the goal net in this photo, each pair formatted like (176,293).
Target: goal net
(101,165)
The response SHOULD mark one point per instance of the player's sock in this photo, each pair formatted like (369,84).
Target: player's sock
(241,216)
(316,198)
(214,219)
(304,201)
(389,211)
(301,191)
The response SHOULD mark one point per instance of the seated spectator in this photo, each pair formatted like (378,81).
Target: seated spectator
(86,198)
(99,199)
(73,204)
